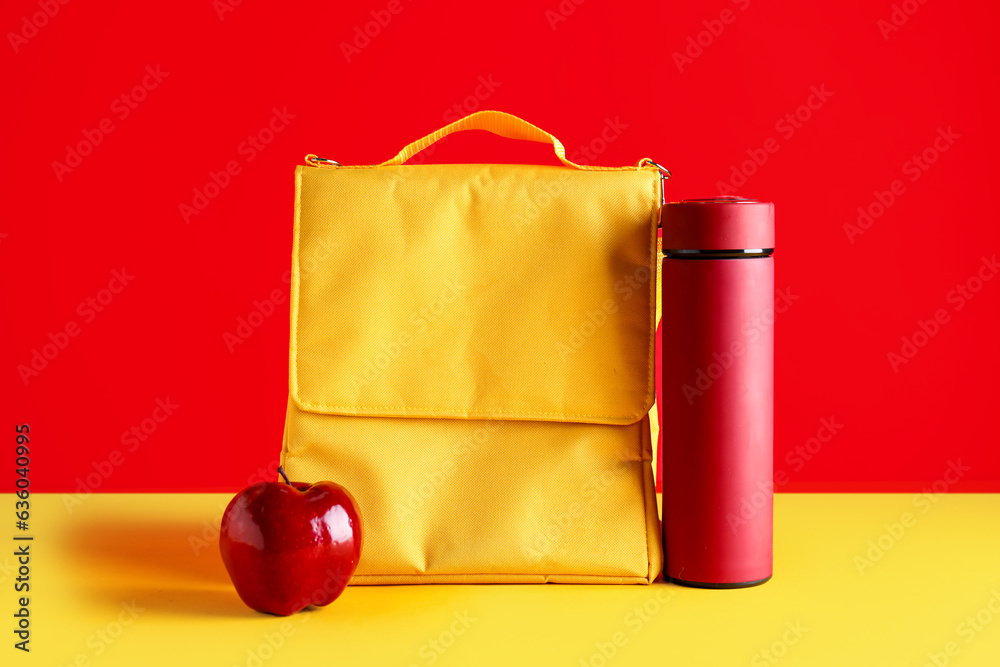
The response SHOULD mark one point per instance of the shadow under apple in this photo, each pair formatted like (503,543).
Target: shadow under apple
(169,566)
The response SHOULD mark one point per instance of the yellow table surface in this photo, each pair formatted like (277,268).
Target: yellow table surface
(136,579)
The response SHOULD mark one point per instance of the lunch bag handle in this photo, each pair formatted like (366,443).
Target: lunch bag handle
(499,123)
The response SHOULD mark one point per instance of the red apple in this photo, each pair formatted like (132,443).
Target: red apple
(290,545)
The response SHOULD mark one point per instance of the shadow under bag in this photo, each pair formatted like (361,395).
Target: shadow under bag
(472,357)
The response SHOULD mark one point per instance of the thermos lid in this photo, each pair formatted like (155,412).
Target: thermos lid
(720,223)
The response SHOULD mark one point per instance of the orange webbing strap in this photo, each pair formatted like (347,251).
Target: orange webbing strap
(497,122)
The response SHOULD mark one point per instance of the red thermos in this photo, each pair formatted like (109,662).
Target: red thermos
(718,386)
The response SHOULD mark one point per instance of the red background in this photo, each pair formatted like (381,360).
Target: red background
(162,336)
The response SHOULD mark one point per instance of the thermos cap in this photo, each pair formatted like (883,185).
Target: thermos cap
(720,223)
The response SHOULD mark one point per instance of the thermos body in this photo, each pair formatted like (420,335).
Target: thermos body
(718,380)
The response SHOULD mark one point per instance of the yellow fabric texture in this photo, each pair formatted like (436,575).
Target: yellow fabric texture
(472,358)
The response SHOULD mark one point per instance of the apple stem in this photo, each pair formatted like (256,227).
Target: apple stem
(281,471)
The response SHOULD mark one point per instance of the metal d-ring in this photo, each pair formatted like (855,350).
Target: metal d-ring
(664,172)
(321,161)
(664,176)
